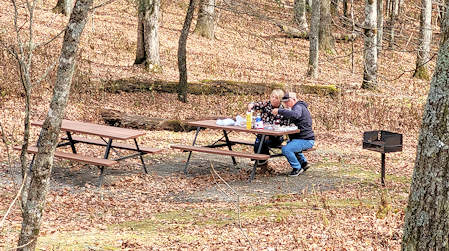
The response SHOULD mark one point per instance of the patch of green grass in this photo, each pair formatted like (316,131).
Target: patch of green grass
(358,172)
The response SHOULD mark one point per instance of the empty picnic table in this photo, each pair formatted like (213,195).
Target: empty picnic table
(106,136)
(225,141)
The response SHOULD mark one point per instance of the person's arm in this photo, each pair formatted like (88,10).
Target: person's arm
(256,106)
(295,112)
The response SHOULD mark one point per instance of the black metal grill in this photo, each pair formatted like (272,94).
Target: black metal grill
(383,142)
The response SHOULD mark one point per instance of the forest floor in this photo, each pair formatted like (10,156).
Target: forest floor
(338,204)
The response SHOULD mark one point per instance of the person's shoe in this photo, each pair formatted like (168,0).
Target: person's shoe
(305,166)
(296,172)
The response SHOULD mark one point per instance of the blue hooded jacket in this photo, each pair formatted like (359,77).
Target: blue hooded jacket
(300,116)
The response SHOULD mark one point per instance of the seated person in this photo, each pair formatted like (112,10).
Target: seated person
(305,139)
(265,108)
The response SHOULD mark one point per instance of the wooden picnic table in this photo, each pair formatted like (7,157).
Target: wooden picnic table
(224,141)
(106,138)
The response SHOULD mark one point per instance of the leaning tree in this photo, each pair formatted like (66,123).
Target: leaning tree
(426,225)
(37,177)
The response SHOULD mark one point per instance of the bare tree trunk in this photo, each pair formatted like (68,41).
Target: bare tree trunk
(380,25)
(326,40)
(300,14)
(148,34)
(63,7)
(182,65)
(205,24)
(392,22)
(345,8)
(425,37)
(370,55)
(37,187)
(314,38)
(426,222)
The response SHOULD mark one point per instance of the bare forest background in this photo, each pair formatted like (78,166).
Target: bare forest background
(252,45)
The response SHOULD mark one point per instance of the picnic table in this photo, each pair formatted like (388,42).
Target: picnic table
(106,137)
(225,141)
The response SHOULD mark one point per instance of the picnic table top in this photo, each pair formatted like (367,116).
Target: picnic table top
(213,125)
(96,129)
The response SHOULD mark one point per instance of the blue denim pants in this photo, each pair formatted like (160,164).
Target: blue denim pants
(296,146)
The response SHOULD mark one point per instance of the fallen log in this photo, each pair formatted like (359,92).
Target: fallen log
(205,87)
(120,119)
(293,32)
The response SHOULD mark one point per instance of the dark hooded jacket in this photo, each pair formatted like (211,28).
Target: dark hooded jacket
(300,116)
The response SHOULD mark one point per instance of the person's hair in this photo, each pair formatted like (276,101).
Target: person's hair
(278,93)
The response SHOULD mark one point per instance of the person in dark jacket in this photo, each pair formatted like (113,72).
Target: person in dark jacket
(300,116)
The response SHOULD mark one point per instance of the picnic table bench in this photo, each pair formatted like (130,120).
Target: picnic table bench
(226,142)
(106,134)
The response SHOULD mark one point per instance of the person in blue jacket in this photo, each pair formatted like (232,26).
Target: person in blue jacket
(299,115)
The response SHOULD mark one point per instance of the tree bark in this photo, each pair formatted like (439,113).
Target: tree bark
(392,22)
(425,37)
(426,223)
(380,25)
(370,48)
(147,51)
(314,38)
(182,65)
(345,8)
(326,40)
(63,7)
(205,26)
(36,188)
(300,14)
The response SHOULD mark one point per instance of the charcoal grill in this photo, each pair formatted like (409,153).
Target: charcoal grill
(383,142)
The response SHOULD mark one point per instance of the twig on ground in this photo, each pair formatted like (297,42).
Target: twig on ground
(237,202)
(24,245)
(14,201)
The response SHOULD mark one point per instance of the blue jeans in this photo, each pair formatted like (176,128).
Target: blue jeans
(296,146)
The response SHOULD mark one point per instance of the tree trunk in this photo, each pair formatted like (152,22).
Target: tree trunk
(426,222)
(345,8)
(425,37)
(36,189)
(370,54)
(392,22)
(326,40)
(380,25)
(300,14)
(182,65)
(148,34)
(63,7)
(314,38)
(205,24)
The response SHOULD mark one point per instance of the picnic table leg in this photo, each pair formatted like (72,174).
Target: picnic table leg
(72,143)
(106,155)
(229,146)
(190,153)
(141,158)
(253,173)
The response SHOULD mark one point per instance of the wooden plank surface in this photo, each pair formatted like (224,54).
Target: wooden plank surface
(73,156)
(115,144)
(221,152)
(213,125)
(97,130)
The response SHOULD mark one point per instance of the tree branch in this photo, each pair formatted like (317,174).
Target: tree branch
(237,202)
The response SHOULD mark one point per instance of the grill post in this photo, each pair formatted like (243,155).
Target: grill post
(383,142)
(382,178)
